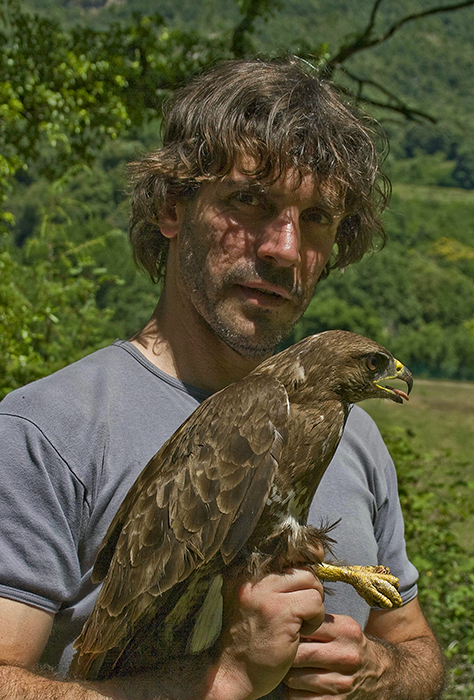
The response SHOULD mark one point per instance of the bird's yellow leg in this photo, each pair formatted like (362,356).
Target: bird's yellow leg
(374,583)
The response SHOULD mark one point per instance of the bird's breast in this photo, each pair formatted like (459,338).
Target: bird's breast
(290,504)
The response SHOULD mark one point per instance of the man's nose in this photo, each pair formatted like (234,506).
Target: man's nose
(280,240)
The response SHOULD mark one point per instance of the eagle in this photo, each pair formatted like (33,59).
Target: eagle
(228,496)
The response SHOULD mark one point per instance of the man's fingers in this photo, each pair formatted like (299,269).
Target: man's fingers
(290,581)
(295,595)
(299,579)
(325,682)
(307,594)
(314,656)
(310,626)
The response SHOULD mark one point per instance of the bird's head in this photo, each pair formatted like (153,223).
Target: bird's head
(359,368)
(349,365)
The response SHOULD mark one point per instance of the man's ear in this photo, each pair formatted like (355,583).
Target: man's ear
(171,218)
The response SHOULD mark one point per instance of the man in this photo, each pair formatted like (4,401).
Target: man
(265,181)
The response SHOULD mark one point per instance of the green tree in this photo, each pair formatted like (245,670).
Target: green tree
(64,94)
(48,310)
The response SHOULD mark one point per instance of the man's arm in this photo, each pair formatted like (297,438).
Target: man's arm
(260,644)
(396,658)
(24,631)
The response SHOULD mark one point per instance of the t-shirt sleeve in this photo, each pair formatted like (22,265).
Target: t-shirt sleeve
(389,532)
(387,518)
(359,492)
(42,510)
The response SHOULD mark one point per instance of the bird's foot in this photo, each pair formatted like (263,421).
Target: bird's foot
(374,583)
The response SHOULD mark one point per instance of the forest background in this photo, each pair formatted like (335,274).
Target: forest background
(81,88)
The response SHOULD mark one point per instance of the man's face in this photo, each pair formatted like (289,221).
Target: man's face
(250,255)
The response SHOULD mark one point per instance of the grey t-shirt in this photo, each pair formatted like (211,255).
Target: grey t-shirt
(73,444)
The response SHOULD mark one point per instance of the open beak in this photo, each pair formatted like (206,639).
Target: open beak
(401,372)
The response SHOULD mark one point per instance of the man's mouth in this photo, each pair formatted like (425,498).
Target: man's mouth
(262,294)
(267,289)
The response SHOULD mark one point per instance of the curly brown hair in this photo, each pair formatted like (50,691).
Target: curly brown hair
(280,115)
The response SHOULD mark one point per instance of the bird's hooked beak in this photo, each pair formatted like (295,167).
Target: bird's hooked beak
(401,372)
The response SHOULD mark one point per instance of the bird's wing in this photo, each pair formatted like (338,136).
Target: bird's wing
(204,491)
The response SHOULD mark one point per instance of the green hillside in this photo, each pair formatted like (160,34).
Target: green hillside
(407,296)
(417,294)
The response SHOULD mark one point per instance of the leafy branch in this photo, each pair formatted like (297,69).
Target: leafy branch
(367,40)
(394,103)
(252,10)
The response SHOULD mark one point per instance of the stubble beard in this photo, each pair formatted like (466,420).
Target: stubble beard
(205,295)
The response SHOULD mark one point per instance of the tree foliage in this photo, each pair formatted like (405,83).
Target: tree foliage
(49,314)
(65,94)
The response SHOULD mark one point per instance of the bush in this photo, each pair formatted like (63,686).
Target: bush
(431,510)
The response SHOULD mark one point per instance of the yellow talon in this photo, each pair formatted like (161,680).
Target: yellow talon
(374,583)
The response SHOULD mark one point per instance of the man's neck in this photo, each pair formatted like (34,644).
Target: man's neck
(190,352)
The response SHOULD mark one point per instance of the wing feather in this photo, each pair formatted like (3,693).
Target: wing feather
(202,492)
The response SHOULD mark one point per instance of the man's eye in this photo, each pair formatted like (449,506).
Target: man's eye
(247,198)
(317,216)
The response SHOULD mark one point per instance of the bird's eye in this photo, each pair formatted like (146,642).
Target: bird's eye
(373,362)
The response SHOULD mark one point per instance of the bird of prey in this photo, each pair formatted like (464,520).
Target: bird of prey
(229,493)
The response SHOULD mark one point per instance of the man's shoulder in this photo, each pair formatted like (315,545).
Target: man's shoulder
(362,432)
(64,389)
(358,479)
(113,396)
(362,453)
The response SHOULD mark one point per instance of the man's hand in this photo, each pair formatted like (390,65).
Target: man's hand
(339,662)
(263,634)
(336,661)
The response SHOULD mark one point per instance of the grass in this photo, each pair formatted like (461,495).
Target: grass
(440,419)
